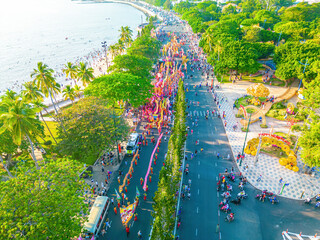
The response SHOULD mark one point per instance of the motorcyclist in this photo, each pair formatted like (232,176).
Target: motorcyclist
(273,199)
(307,200)
(230,217)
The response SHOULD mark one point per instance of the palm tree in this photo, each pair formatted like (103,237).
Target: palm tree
(19,118)
(126,35)
(85,74)
(69,93)
(31,92)
(71,71)
(114,51)
(44,81)
(77,91)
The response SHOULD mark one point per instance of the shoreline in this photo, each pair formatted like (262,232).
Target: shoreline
(99,67)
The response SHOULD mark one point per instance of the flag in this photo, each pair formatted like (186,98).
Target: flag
(126,213)
(92,238)
(137,192)
(118,196)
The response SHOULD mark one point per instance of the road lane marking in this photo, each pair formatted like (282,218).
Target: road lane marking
(200,113)
(215,128)
(198,191)
(196,231)
(217,194)
(215,164)
(217,178)
(197,209)
(198,176)
(198,162)
(219,213)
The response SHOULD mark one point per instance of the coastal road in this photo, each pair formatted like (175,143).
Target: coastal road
(253,219)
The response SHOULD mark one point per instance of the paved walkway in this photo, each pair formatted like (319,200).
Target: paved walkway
(267,166)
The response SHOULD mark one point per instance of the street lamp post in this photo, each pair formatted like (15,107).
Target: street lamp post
(105,46)
(245,139)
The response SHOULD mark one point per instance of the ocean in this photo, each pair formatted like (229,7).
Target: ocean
(56,32)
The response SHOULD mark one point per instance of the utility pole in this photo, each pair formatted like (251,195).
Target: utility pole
(304,69)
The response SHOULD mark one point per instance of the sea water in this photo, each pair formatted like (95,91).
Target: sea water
(56,32)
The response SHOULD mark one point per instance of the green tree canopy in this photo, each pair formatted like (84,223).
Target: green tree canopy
(145,46)
(92,127)
(310,143)
(135,64)
(238,56)
(120,86)
(43,203)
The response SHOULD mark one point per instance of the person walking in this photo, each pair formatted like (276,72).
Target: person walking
(218,155)
(127,231)
(139,235)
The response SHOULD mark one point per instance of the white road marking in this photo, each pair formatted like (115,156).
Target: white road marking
(200,114)
(197,209)
(198,162)
(198,176)
(198,191)
(219,213)
(215,128)
(196,231)
(217,178)
(217,194)
(215,164)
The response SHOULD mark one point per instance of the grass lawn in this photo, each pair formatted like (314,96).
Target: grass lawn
(242,101)
(256,79)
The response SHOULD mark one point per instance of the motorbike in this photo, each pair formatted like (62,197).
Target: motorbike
(229,218)
(307,201)
(226,195)
(317,205)
(273,200)
(267,193)
(225,208)
(260,197)
(242,195)
(236,201)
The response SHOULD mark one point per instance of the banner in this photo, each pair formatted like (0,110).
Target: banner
(137,192)
(118,196)
(127,213)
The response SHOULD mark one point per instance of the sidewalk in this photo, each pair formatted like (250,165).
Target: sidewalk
(267,166)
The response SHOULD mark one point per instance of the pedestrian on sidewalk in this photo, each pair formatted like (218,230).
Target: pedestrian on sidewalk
(259,178)
(139,235)
(218,155)
(112,201)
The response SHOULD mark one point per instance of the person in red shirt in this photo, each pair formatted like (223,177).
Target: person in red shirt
(127,230)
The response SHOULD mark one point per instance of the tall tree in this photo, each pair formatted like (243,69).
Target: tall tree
(45,203)
(69,93)
(126,35)
(120,86)
(71,71)
(31,92)
(135,64)
(19,118)
(92,127)
(85,74)
(44,80)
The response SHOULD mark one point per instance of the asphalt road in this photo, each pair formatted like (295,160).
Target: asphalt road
(144,209)
(253,219)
